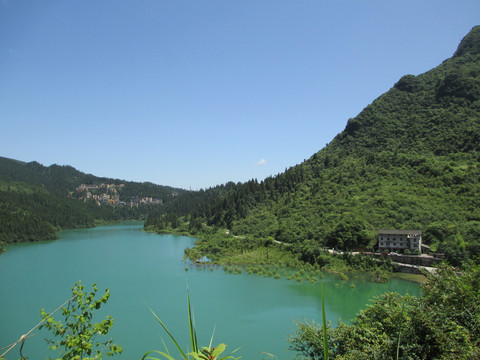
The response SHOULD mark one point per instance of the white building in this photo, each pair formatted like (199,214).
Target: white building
(400,240)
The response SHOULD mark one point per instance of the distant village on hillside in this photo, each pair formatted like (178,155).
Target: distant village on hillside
(108,194)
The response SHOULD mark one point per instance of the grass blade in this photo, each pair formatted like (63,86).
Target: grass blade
(169,334)
(211,339)
(324,326)
(191,321)
(166,356)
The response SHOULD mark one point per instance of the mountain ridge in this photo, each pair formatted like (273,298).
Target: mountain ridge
(470,43)
(36,201)
(410,159)
(58,177)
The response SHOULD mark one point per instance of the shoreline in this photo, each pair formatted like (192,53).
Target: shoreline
(57,233)
(287,261)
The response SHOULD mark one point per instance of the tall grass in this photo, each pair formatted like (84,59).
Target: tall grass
(196,353)
(324,327)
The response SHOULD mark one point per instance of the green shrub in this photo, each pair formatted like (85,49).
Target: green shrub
(78,334)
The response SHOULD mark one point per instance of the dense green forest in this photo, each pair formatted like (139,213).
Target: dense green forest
(411,159)
(36,201)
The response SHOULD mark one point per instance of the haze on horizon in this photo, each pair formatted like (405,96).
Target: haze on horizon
(195,94)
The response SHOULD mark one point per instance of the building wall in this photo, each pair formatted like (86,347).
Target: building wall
(399,239)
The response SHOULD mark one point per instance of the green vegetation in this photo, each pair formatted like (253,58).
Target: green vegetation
(205,353)
(324,328)
(266,257)
(37,201)
(78,334)
(444,323)
(31,213)
(409,160)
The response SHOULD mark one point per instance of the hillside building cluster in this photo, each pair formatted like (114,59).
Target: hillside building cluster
(110,196)
(85,187)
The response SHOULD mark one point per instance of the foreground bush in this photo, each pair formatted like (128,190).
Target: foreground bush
(444,323)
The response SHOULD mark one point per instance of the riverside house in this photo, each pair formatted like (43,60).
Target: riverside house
(400,240)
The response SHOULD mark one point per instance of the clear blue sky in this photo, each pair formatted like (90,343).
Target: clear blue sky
(198,93)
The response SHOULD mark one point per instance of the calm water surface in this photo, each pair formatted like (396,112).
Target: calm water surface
(145,270)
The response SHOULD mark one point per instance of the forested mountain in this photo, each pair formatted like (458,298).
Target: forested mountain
(411,159)
(64,179)
(36,201)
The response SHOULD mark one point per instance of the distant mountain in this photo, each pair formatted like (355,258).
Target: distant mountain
(36,201)
(64,179)
(409,160)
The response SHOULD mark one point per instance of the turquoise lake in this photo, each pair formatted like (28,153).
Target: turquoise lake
(144,270)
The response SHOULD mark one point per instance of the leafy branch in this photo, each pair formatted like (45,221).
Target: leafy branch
(77,337)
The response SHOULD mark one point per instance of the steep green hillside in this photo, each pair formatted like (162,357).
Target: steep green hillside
(411,159)
(37,201)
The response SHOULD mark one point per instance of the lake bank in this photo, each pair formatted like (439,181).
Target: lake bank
(143,269)
(222,248)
